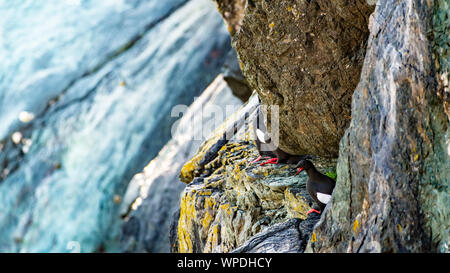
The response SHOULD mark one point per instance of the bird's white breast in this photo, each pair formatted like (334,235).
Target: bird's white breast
(324,198)
(261,135)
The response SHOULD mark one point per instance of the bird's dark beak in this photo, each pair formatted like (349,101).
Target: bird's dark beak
(299,170)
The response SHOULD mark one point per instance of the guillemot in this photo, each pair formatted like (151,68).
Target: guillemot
(271,151)
(320,187)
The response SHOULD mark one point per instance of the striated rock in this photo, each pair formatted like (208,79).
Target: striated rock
(392,192)
(86,94)
(288,237)
(153,195)
(228,200)
(305,57)
(52,47)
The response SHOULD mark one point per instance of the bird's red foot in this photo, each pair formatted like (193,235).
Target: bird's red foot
(270,161)
(313,210)
(258,159)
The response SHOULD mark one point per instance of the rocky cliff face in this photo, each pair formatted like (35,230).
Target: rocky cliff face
(153,195)
(305,57)
(87,91)
(99,79)
(228,200)
(392,192)
(308,57)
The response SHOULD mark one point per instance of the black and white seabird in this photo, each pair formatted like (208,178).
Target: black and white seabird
(320,187)
(275,154)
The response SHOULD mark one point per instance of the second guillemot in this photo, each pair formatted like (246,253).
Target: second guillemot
(271,152)
(319,186)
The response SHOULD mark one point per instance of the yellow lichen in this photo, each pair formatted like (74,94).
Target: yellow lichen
(230,29)
(271,25)
(296,206)
(205,192)
(313,237)
(238,148)
(187,212)
(187,172)
(206,221)
(215,235)
(355,225)
(226,207)
(210,203)
(399,228)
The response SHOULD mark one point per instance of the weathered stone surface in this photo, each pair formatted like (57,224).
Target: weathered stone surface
(228,200)
(101,78)
(233,12)
(392,192)
(232,74)
(154,195)
(288,237)
(306,57)
(279,238)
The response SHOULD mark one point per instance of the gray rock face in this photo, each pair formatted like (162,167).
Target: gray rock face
(392,192)
(229,200)
(154,195)
(100,79)
(287,237)
(232,74)
(48,47)
(305,57)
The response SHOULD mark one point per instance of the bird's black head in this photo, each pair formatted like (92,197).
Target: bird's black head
(304,165)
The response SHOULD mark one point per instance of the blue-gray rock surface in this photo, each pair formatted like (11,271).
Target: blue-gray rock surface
(86,90)
(154,194)
(392,191)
